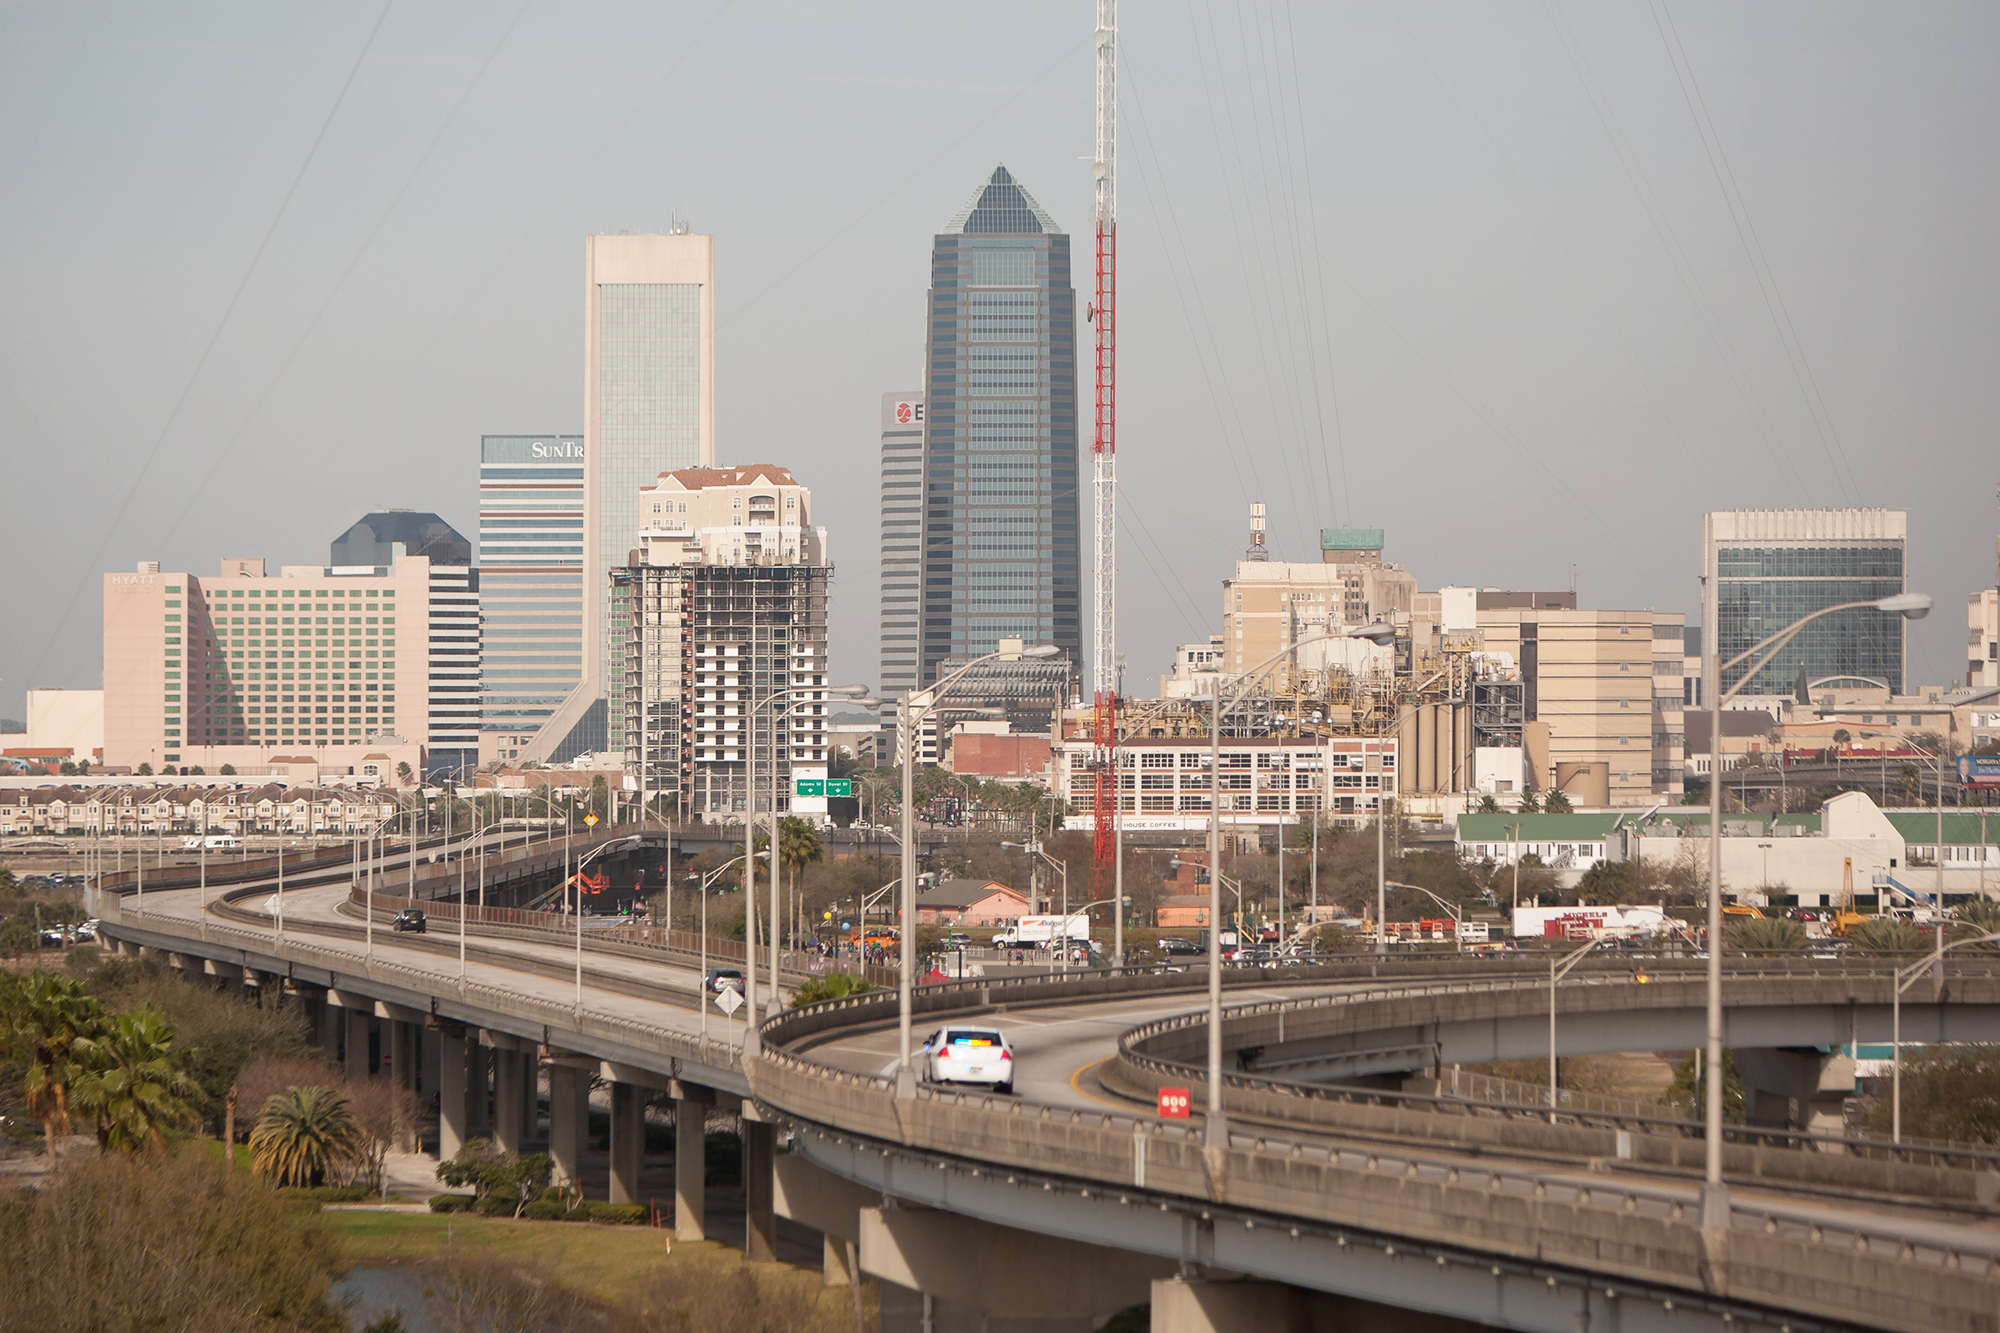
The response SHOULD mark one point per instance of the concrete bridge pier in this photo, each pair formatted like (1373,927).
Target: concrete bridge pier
(569,1114)
(478,1091)
(455,1045)
(1795,1087)
(1021,1282)
(691,1105)
(360,1058)
(628,1139)
(760,1218)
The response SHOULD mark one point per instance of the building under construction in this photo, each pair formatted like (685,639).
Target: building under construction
(722,607)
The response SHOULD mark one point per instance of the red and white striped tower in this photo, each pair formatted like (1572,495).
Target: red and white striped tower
(1104,448)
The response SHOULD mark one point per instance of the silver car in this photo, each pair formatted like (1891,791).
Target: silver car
(970,1055)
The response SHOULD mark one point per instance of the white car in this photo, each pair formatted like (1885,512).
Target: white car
(970,1055)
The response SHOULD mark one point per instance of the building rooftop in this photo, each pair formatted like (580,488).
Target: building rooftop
(1001,207)
(371,541)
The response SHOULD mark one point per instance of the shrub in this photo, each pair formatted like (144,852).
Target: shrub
(550,1210)
(221,1251)
(830,986)
(452,1203)
(1948,1093)
(1887,934)
(329,1193)
(1763,934)
(619,1214)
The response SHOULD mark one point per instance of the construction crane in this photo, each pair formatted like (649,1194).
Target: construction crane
(1104,451)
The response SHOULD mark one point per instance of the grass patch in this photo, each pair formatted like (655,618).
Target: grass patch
(610,1263)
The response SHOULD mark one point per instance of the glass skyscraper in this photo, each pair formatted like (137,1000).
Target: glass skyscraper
(902,544)
(531,577)
(1772,567)
(649,408)
(1000,540)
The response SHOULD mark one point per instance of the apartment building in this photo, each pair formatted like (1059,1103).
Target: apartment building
(1272,604)
(1163,782)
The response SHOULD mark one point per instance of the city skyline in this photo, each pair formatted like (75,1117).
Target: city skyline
(1576,396)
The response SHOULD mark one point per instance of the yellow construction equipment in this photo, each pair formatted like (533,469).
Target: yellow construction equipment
(1740,909)
(1846,918)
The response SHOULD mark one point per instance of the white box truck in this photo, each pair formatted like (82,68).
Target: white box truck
(1040,932)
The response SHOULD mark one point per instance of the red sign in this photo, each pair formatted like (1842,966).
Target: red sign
(1174,1103)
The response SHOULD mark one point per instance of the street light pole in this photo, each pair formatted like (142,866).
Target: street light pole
(1914,606)
(910,725)
(1215,1128)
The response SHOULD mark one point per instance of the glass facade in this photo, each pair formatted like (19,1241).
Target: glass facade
(649,421)
(1000,535)
(530,576)
(902,544)
(1763,588)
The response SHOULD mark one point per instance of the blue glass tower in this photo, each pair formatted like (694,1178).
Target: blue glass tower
(1000,541)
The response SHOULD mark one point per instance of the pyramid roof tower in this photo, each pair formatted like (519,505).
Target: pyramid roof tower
(1001,206)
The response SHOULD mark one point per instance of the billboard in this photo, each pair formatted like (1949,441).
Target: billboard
(1979,770)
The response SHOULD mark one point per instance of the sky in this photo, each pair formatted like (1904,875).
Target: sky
(1529,285)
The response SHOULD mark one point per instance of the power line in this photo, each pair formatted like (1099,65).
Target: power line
(92,568)
(340,283)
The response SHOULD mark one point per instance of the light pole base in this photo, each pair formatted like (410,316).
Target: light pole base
(906,1084)
(753,1043)
(1715,1206)
(1215,1130)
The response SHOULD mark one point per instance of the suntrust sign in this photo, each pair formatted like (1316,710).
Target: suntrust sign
(531,449)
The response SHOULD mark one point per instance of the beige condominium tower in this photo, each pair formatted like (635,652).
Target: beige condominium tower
(648,408)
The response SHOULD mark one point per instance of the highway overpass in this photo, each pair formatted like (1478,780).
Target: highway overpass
(1330,1207)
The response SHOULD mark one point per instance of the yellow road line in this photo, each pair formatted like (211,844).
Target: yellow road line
(1076,1086)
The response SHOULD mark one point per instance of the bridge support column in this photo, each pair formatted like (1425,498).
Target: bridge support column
(920,1255)
(760,1219)
(327,1025)
(531,1095)
(507,1128)
(478,1088)
(569,1114)
(428,1061)
(690,1168)
(628,1136)
(1795,1089)
(360,1060)
(453,1062)
(402,1041)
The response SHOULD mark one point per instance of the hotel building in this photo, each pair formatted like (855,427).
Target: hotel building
(247,666)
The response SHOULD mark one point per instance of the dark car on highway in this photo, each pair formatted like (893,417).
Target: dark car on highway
(411,919)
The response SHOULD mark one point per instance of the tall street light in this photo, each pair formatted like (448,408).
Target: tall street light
(909,723)
(1910,605)
(749,842)
(1215,1129)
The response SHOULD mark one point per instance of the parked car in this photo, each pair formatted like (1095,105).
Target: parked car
(970,1055)
(411,919)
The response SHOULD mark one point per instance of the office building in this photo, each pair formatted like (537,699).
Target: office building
(245,667)
(1601,706)
(1000,536)
(450,730)
(531,590)
(902,544)
(720,602)
(1265,780)
(1982,657)
(385,537)
(648,408)
(1769,568)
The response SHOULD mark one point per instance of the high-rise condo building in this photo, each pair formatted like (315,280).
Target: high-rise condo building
(721,603)
(1767,568)
(648,408)
(902,545)
(1000,540)
(531,588)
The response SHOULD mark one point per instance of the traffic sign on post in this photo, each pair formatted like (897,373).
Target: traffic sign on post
(1174,1103)
(839,787)
(591,820)
(810,787)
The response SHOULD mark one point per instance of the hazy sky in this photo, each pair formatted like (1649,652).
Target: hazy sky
(1530,285)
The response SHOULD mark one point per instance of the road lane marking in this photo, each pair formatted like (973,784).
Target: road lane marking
(1076,1086)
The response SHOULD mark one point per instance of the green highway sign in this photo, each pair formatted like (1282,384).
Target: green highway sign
(811,787)
(839,787)
(823,787)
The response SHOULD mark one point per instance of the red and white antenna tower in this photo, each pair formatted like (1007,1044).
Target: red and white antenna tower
(1104,447)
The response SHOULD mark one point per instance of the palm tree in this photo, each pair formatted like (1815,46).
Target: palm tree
(303,1133)
(45,1017)
(135,1086)
(798,847)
